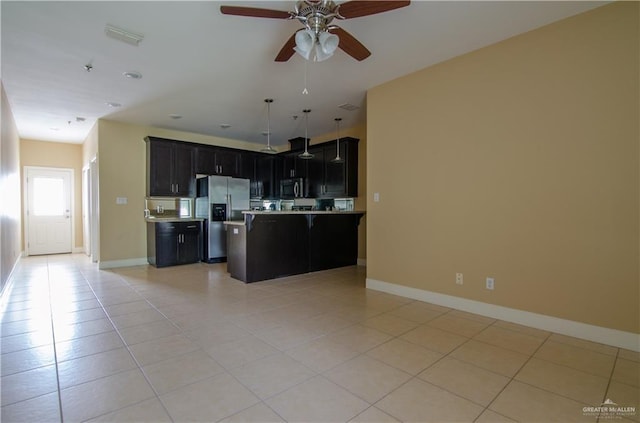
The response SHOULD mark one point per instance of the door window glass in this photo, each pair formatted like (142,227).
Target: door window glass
(48,196)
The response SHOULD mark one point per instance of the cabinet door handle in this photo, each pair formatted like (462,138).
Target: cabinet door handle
(192,226)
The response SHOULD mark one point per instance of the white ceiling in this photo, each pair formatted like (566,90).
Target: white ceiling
(216,69)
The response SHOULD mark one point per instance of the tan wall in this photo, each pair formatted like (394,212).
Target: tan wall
(60,155)
(518,161)
(10,217)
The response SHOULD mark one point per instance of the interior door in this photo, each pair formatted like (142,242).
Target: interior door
(86,211)
(48,210)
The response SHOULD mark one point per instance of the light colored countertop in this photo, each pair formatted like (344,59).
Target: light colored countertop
(172,219)
(234,222)
(303,212)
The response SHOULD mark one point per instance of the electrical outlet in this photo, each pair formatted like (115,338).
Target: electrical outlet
(490,282)
(459,279)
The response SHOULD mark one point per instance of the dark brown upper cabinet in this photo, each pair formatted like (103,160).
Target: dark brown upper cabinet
(170,168)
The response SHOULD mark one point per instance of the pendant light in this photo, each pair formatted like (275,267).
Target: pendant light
(338,159)
(268,148)
(306,154)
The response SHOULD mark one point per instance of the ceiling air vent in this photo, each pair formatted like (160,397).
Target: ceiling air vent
(123,35)
(349,107)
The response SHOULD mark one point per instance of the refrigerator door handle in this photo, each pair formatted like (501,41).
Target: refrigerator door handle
(229,208)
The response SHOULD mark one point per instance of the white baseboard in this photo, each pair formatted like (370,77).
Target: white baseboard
(77,250)
(112,264)
(8,286)
(362,262)
(614,337)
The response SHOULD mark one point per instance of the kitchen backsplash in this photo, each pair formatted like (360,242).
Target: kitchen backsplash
(341,204)
(168,207)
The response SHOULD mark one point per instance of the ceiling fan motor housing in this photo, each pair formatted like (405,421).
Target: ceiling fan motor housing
(316,15)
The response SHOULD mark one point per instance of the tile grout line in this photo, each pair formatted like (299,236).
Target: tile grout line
(512,378)
(53,338)
(606,391)
(135,360)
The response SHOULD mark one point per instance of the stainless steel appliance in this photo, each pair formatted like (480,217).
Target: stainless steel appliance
(220,198)
(293,188)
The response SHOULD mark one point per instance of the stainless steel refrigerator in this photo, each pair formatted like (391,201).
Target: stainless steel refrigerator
(220,198)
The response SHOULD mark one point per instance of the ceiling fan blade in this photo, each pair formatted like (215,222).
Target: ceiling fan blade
(357,8)
(350,45)
(254,12)
(287,50)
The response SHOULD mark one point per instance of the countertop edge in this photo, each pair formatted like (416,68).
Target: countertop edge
(173,219)
(269,212)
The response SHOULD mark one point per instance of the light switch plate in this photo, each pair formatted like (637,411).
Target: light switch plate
(376,197)
(121,200)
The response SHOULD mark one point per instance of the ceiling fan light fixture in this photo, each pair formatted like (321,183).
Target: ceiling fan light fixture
(305,40)
(327,44)
(316,47)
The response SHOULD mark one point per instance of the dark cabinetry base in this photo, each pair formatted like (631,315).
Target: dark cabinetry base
(172,243)
(269,246)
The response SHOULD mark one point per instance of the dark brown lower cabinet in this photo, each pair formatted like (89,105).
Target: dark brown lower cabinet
(269,246)
(173,243)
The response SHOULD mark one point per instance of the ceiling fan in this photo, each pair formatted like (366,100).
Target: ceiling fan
(316,16)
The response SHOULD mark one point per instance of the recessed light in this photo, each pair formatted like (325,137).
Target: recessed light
(113,104)
(132,74)
(174,116)
(225,126)
(55,129)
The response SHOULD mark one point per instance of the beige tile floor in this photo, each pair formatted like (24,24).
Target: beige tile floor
(191,344)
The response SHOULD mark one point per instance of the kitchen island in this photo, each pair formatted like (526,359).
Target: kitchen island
(272,244)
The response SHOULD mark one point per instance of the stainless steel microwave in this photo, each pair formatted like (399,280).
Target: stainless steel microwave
(293,188)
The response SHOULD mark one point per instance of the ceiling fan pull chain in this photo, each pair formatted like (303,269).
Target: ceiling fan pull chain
(306,64)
